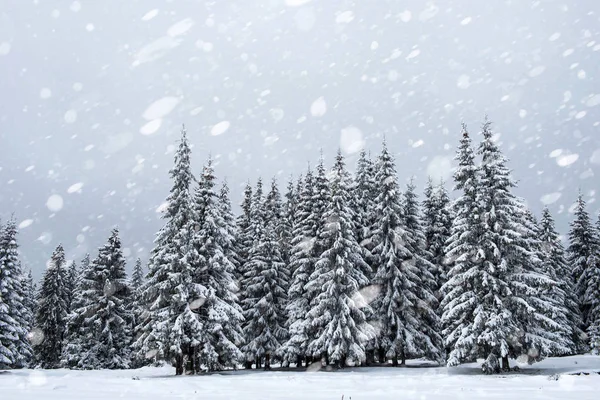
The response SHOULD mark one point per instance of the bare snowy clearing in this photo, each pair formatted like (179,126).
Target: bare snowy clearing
(550,379)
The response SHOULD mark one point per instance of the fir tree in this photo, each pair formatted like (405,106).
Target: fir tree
(137,277)
(216,308)
(172,329)
(52,312)
(416,243)
(365,191)
(82,307)
(554,262)
(497,292)
(70,282)
(402,309)
(245,236)
(582,257)
(301,266)
(544,319)
(15,318)
(475,320)
(265,287)
(108,321)
(437,221)
(230,246)
(591,298)
(288,221)
(336,316)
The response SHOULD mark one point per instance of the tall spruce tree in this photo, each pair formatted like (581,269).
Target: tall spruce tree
(172,329)
(468,317)
(582,256)
(400,307)
(265,286)
(294,350)
(216,308)
(52,312)
(15,318)
(336,315)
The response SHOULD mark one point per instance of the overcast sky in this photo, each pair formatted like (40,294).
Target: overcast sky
(93,95)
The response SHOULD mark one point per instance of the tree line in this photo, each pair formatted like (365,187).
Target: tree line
(342,269)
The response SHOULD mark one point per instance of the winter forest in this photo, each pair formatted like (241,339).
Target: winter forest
(335,270)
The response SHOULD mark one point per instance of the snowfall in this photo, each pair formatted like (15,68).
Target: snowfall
(576,377)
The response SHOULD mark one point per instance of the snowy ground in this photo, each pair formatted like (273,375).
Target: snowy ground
(533,382)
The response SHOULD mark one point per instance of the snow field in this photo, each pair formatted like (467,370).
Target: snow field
(538,381)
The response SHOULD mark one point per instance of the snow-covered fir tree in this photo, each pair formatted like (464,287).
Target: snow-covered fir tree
(30,299)
(591,297)
(217,307)
(265,295)
(71,281)
(582,256)
(15,317)
(402,309)
(107,326)
(476,321)
(294,350)
(437,224)
(336,315)
(554,264)
(288,221)
(137,276)
(52,312)
(172,329)
(365,191)
(231,246)
(82,307)
(416,243)
(244,237)
(544,319)
(488,309)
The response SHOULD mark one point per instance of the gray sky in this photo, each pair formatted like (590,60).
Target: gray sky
(93,94)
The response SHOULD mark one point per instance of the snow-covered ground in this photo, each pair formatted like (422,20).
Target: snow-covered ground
(550,379)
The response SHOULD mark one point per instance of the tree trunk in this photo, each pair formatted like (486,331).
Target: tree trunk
(299,362)
(248,364)
(395,361)
(382,359)
(258,362)
(402,358)
(179,364)
(505,365)
(267,361)
(342,362)
(326,356)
